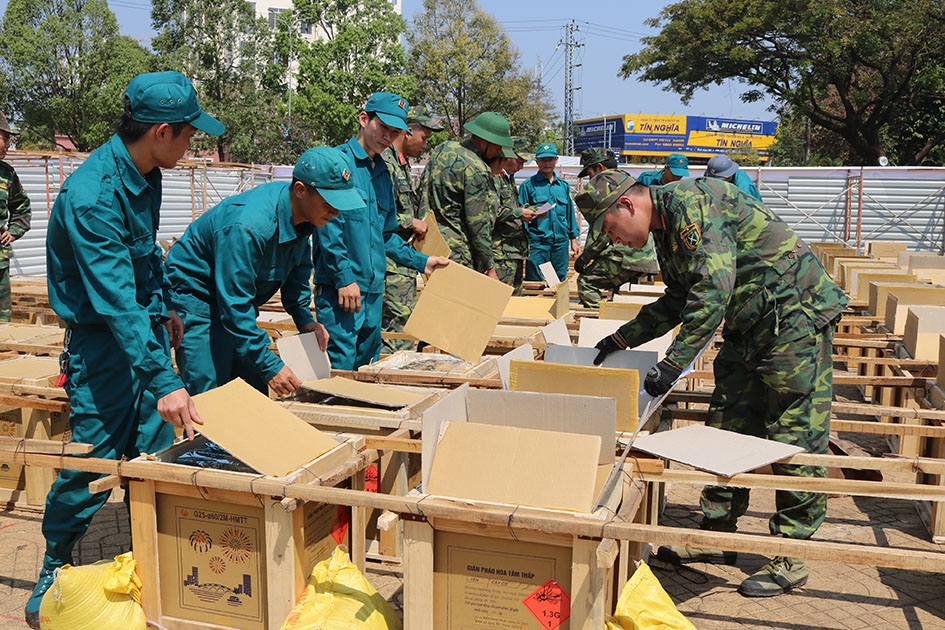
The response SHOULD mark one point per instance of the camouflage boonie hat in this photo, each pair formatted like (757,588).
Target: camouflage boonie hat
(420,114)
(5,126)
(601,193)
(520,146)
(593,157)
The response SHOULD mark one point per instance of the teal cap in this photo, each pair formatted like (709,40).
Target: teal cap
(390,108)
(546,150)
(678,164)
(168,97)
(328,171)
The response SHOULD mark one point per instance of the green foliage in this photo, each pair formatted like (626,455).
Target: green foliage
(358,53)
(228,53)
(860,70)
(65,68)
(465,64)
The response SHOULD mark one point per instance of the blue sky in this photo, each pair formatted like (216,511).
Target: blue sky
(608,29)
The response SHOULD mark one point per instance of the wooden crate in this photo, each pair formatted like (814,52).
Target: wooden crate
(214,558)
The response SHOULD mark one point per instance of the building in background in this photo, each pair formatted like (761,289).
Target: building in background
(649,138)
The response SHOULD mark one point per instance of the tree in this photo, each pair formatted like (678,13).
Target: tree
(465,64)
(65,68)
(853,68)
(356,52)
(228,53)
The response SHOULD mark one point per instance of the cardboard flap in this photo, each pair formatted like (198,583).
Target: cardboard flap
(258,430)
(302,355)
(458,310)
(373,393)
(450,408)
(562,413)
(714,450)
(42,370)
(531,307)
(433,243)
(557,333)
(524,352)
(482,462)
(562,300)
(549,274)
(593,330)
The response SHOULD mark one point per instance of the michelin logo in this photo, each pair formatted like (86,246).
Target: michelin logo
(714,124)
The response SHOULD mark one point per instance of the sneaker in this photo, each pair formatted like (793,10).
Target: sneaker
(781,575)
(677,554)
(45,580)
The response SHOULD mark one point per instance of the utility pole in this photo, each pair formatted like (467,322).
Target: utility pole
(569,46)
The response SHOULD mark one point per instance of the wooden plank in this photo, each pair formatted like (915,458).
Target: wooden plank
(418,574)
(144,541)
(588,598)
(280,564)
(53,447)
(358,523)
(33,402)
(37,424)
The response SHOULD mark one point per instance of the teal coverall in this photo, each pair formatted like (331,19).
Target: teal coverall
(106,282)
(549,238)
(353,247)
(227,264)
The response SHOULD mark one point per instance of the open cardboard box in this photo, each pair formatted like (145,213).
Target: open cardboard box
(539,308)
(516,448)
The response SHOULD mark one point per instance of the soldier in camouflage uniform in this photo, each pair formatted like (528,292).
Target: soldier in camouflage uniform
(727,258)
(459,187)
(15,216)
(604,266)
(400,286)
(510,237)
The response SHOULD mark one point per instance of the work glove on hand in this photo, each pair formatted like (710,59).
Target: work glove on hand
(660,378)
(604,347)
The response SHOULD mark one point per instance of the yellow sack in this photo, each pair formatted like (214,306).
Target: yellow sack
(338,597)
(94,597)
(644,605)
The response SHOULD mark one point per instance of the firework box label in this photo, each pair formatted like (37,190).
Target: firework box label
(212,562)
(492,583)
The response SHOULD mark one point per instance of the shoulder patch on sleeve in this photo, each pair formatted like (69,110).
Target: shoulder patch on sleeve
(691,236)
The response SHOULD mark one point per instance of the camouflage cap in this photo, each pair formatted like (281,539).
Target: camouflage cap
(420,114)
(5,126)
(601,193)
(593,157)
(520,146)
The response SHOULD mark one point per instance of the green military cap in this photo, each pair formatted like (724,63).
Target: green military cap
(328,171)
(546,150)
(168,97)
(520,145)
(420,115)
(601,193)
(390,108)
(492,127)
(593,157)
(5,126)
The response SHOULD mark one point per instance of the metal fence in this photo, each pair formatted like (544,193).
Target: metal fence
(851,205)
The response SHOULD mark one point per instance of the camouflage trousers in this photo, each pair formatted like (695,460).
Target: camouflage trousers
(511,271)
(400,297)
(604,275)
(779,390)
(6,302)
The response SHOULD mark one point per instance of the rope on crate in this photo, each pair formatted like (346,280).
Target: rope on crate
(252,491)
(193,480)
(509,524)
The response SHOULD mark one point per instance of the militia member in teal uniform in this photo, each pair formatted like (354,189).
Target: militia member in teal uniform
(218,293)
(106,283)
(14,216)
(728,260)
(510,236)
(676,167)
(400,288)
(458,187)
(604,265)
(723,167)
(555,237)
(350,252)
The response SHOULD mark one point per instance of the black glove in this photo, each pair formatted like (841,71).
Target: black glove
(579,264)
(660,378)
(604,347)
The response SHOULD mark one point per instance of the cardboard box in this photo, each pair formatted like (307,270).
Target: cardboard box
(940,377)
(432,364)
(622,385)
(218,559)
(833,264)
(924,324)
(846,268)
(459,577)
(897,310)
(836,249)
(13,479)
(886,250)
(926,260)
(538,308)
(879,292)
(860,279)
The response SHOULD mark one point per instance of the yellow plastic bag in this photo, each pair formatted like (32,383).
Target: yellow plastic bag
(644,605)
(94,597)
(339,597)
